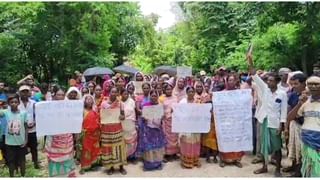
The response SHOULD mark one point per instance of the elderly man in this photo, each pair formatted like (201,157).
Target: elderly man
(307,113)
(283,85)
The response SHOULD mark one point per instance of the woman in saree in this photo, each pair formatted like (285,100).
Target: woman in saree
(152,138)
(107,85)
(113,147)
(159,89)
(60,150)
(169,101)
(190,143)
(146,87)
(231,157)
(130,88)
(74,94)
(129,126)
(120,84)
(84,91)
(98,97)
(179,90)
(139,96)
(90,136)
(208,140)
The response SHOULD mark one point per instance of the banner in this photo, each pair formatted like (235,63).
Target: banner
(153,114)
(233,120)
(110,116)
(191,118)
(184,71)
(58,117)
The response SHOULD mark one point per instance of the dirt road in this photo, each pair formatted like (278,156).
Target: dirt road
(173,169)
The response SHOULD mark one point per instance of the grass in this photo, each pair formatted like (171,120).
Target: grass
(30,170)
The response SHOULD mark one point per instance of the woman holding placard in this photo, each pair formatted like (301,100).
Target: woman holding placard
(190,143)
(129,126)
(90,136)
(113,147)
(140,100)
(60,150)
(169,101)
(208,140)
(231,157)
(151,136)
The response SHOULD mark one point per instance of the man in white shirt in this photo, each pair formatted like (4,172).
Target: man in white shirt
(283,85)
(27,105)
(272,117)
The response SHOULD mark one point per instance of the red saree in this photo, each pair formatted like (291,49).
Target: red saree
(90,139)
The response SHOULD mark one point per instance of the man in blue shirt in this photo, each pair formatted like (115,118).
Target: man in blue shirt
(293,128)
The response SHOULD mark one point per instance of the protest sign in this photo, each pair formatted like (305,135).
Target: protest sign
(184,71)
(191,118)
(110,116)
(233,120)
(153,114)
(58,117)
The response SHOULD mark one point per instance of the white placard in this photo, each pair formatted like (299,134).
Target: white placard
(184,71)
(59,117)
(153,114)
(110,116)
(191,118)
(233,120)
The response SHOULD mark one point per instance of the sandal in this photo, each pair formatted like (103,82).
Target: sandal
(110,171)
(288,169)
(222,164)
(238,164)
(256,161)
(260,171)
(123,171)
(209,160)
(215,160)
(81,171)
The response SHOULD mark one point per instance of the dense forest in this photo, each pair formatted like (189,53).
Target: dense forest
(54,39)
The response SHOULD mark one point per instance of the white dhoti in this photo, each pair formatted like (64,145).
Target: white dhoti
(294,145)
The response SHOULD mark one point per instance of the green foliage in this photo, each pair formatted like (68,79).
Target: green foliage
(57,38)
(217,34)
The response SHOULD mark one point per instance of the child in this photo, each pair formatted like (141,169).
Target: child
(16,136)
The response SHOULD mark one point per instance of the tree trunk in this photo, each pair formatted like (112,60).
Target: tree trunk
(304,60)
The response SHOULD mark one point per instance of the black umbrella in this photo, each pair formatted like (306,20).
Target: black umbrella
(172,71)
(97,71)
(125,69)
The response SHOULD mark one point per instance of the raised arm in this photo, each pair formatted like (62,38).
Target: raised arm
(293,114)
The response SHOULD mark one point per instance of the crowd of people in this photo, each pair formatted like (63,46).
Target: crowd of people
(286,115)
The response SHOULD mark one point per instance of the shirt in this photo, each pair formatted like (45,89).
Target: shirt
(274,106)
(15,132)
(311,113)
(293,99)
(29,109)
(285,89)
(3,97)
